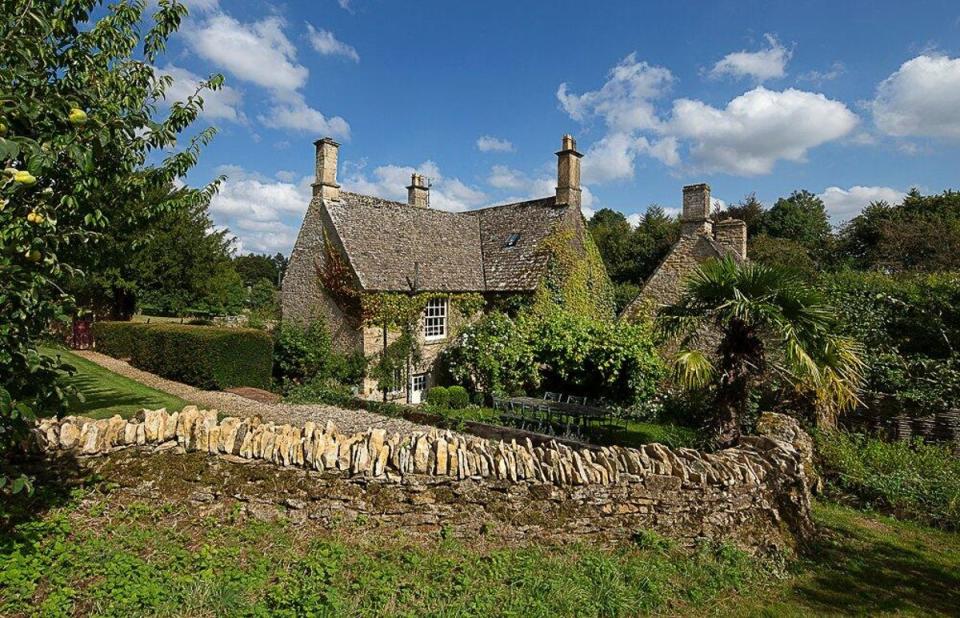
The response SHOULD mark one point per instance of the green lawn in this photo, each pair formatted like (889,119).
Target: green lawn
(868,564)
(105,393)
(98,551)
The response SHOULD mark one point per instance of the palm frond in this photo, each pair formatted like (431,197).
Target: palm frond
(693,369)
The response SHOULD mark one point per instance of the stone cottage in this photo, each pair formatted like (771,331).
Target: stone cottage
(700,240)
(381,246)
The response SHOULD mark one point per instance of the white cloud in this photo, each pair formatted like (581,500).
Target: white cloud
(223,103)
(921,98)
(769,63)
(487,143)
(390,182)
(285,175)
(524,187)
(611,158)
(758,128)
(294,113)
(503,177)
(818,77)
(327,44)
(747,137)
(345,5)
(625,101)
(262,214)
(844,204)
(258,52)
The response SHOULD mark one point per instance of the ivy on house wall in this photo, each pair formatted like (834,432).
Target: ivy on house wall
(337,278)
(576,279)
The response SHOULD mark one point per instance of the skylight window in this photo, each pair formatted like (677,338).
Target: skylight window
(512,241)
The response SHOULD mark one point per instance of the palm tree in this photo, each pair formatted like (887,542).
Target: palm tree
(766,319)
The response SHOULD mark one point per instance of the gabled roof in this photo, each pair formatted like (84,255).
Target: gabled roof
(393,246)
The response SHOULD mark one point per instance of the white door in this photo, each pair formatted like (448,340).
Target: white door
(418,384)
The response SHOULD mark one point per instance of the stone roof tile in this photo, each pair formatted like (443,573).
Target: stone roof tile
(393,246)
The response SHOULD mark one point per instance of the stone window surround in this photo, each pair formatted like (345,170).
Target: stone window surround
(435,316)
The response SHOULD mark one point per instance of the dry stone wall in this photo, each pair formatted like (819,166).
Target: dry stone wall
(755,495)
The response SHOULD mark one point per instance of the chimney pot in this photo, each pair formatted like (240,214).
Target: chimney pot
(325,184)
(568,172)
(418,193)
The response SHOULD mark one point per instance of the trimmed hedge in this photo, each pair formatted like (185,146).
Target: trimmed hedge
(204,356)
(116,338)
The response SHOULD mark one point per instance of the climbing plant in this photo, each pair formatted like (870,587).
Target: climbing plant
(402,312)
(337,278)
(576,280)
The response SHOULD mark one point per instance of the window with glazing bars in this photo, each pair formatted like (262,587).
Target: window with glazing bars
(435,319)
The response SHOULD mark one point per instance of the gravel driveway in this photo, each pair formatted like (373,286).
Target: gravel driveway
(347,421)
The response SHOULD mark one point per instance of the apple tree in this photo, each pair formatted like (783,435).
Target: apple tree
(84,132)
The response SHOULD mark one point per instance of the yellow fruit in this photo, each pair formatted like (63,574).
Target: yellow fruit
(32,217)
(3,128)
(25,178)
(78,116)
(33,255)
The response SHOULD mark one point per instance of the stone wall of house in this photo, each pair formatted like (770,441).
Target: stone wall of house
(302,298)
(429,352)
(755,495)
(665,285)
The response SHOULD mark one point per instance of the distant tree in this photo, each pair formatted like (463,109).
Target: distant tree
(281,262)
(632,254)
(254,267)
(922,233)
(783,253)
(750,210)
(656,233)
(801,217)
(184,265)
(759,311)
(224,292)
(263,298)
(612,234)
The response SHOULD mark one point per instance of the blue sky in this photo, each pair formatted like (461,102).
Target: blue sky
(854,101)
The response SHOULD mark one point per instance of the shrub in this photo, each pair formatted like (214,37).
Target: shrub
(438,396)
(301,354)
(912,480)
(564,351)
(459,397)
(348,368)
(203,356)
(910,328)
(322,391)
(115,339)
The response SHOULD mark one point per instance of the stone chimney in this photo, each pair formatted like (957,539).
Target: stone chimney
(325,184)
(732,234)
(696,211)
(568,172)
(418,193)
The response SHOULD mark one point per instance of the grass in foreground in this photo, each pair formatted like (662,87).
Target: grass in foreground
(868,564)
(99,554)
(108,553)
(106,393)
